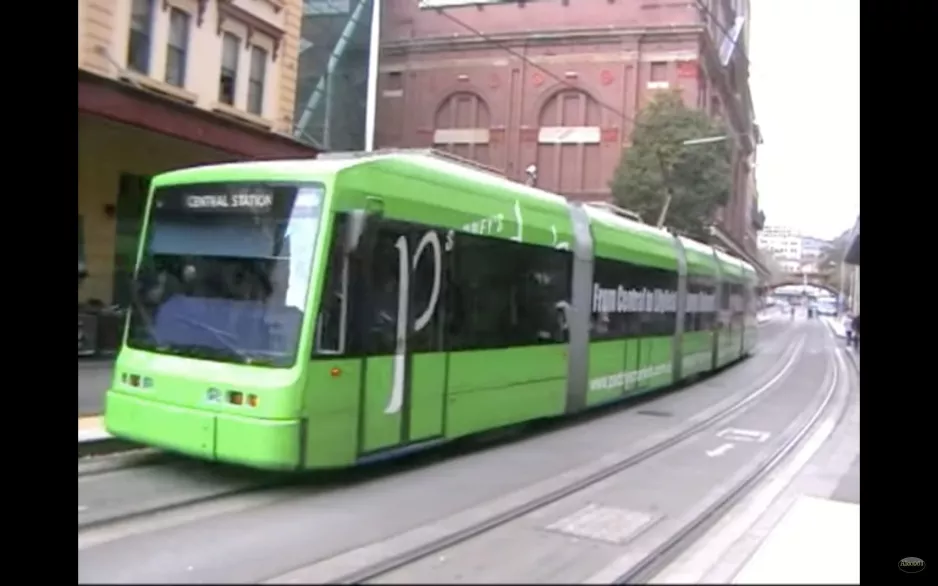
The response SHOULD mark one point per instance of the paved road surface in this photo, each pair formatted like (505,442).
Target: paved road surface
(93,379)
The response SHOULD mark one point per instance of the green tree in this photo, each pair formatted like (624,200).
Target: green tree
(698,176)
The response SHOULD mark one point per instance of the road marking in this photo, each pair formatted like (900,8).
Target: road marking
(743,435)
(720,451)
(82,508)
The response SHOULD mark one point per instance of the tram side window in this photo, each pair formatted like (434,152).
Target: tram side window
(739,303)
(645,278)
(610,325)
(663,323)
(380,312)
(707,319)
(503,293)
(702,321)
(691,321)
(735,306)
(725,293)
(402,277)
(610,275)
(330,329)
(427,288)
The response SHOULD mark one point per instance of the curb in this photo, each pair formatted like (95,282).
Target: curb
(105,445)
(849,351)
(854,359)
(830,324)
(92,435)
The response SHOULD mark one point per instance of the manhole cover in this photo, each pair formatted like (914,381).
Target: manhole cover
(654,413)
(599,523)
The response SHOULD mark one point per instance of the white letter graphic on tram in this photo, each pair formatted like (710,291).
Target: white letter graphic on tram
(519,237)
(431,239)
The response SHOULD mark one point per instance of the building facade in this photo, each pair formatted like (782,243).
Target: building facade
(331,107)
(557,84)
(784,243)
(164,84)
(793,251)
(813,249)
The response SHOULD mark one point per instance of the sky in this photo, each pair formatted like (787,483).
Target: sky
(805,80)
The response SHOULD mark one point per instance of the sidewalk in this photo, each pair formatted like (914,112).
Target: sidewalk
(814,531)
(835,324)
(94,377)
(837,328)
(91,429)
(800,526)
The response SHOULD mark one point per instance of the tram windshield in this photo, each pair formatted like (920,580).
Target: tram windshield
(225,272)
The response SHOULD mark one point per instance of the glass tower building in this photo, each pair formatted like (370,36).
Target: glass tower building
(332,85)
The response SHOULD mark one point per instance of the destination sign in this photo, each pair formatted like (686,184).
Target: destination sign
(252,201)
(213,199)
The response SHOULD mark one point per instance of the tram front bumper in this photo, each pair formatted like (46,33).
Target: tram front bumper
(250,441)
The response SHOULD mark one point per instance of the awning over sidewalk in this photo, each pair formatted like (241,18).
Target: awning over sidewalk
(137,106)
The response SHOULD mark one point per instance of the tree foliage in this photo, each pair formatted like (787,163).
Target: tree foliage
(698,176)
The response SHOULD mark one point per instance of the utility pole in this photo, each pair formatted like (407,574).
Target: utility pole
(666,176)
(668,194)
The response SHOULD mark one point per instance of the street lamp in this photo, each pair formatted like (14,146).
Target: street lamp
(531,172)
(664,173)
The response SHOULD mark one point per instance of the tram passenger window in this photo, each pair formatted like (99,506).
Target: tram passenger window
(608,275)
(725,293)
(739,304)
(427,289)
(502,293)
(420,288)
(650,321)
(330,329)
(697,289)
(707,319)
(667,319)
(644,279)
(381,310)
(691,321)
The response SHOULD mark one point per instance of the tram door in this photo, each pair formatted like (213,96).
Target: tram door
(404,382)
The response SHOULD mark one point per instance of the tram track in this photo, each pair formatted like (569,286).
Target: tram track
(94,465)
(697,522)
(373,562)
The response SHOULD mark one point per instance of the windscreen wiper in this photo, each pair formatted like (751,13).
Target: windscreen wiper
(220,335)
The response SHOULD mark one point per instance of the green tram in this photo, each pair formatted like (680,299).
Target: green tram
(324,313)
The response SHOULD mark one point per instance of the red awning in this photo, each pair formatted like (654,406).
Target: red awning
(126,104)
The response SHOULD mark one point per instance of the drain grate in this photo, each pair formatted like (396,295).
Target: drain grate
(653,413)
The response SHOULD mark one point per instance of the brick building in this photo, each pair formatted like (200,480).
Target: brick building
(473,84)
(164,84)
